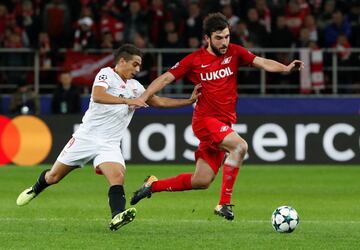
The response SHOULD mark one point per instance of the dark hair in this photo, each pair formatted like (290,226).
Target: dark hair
(126,51)
(214,22)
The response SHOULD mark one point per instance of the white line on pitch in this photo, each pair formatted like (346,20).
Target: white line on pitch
(177,220)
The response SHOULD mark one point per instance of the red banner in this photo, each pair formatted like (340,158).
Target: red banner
(83,67)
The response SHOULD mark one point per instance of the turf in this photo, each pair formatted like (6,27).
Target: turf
(74,214)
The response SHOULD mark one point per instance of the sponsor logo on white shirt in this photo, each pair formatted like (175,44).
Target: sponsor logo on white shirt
(102,77)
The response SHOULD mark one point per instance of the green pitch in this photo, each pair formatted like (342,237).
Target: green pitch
(74,213)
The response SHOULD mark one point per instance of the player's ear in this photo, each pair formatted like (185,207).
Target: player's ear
(121,61)
(207,40)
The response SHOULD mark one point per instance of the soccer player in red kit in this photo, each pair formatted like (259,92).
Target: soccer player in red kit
(215,68)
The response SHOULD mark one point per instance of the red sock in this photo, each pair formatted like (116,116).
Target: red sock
(180,182)
(228,179)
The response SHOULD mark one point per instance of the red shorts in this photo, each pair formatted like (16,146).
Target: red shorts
(210,131)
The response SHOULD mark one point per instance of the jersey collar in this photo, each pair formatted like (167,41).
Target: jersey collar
(119,77)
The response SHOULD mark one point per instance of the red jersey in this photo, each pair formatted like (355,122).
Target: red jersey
(218,77)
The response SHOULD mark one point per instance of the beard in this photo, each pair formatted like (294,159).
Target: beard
(216,50)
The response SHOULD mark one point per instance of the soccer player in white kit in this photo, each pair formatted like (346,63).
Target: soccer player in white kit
(98,138)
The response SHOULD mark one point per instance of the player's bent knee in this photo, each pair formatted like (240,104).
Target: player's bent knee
(116,178)
(201,183)
(241,149)
(244,147)
(117,174)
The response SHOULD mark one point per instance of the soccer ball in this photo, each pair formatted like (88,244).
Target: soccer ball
(284,219)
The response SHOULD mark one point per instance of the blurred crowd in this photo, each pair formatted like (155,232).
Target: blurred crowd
(106,24)
(176,24)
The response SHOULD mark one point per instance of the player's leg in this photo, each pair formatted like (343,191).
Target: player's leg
(47,177)
(203,175)
(200,179)
(236,148)
(208,161)
(151,184)
(75,153)
(115,174)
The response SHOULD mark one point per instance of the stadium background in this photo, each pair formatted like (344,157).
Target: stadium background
(42,39)
(302,129)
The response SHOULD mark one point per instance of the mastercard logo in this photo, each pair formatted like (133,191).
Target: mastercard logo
(24,140)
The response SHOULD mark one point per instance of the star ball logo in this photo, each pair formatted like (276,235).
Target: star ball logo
(24,140)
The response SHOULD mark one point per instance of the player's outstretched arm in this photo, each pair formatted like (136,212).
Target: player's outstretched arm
(274,66)
(158,84)
(100,95)
(165,102)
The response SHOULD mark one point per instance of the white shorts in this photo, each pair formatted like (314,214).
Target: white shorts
(79,151)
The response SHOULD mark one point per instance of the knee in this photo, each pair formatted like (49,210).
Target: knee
(201,182)
(241,148)
(116,178)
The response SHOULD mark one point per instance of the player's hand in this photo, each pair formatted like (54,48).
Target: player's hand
(196,93)
(295,65)
(137,103)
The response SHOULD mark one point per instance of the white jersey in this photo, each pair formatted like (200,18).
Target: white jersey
(108,122)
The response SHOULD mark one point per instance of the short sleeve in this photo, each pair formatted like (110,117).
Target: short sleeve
(140,88)
(136,87)
(102,79)
(245,56)
(181,68)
